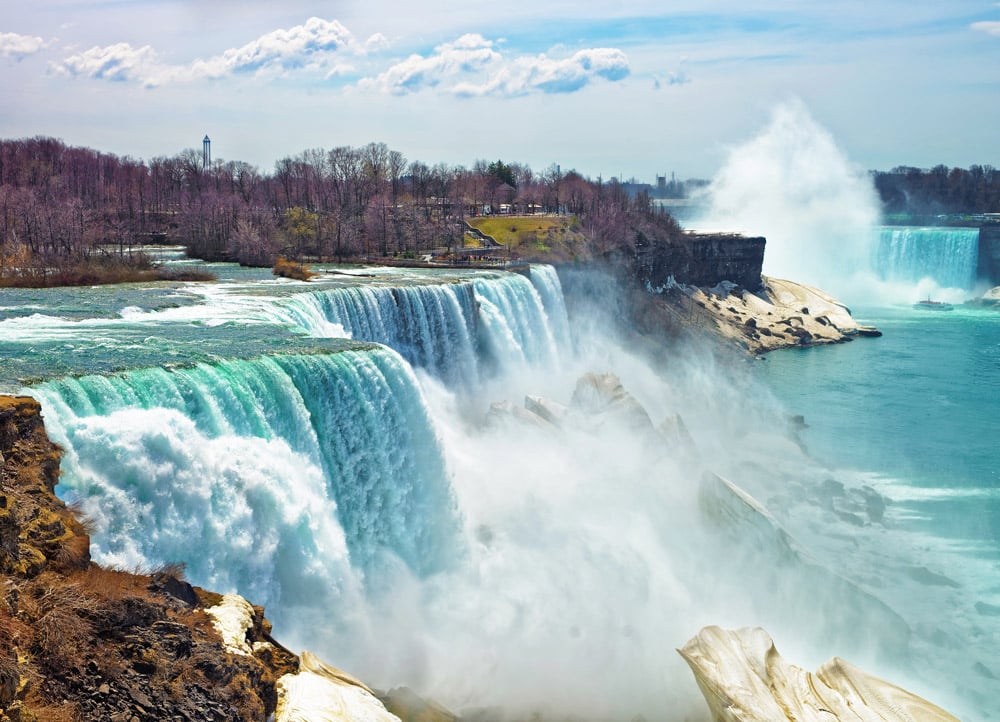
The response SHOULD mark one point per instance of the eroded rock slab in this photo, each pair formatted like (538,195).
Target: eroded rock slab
(744,679)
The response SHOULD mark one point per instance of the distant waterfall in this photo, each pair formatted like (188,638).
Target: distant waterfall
(291,470)
(453,330)
(947,255)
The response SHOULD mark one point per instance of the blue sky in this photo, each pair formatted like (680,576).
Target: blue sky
(613,88)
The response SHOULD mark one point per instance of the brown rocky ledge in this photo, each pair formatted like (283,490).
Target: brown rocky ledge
(81,642)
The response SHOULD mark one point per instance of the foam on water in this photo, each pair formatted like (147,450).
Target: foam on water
(214,445)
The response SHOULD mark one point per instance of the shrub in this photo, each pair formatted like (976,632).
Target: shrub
(292,269)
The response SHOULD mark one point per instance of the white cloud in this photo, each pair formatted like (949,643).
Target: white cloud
(17,46)
(471,53)
(292,48)
(339,70)
(115,62)
(988,26)
(312,46)
(471,66)
(377,42)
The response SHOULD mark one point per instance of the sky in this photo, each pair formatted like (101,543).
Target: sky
(627,89)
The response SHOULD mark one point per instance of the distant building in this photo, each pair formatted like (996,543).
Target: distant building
(206,153)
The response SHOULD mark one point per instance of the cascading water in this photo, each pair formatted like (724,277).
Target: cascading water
(433,327)
(451,330)
(948,256)
(288,468)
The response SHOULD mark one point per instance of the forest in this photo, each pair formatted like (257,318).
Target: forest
(75,215)
(917,193)
(66,211)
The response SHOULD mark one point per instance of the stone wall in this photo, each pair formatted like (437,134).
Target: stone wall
(701,259)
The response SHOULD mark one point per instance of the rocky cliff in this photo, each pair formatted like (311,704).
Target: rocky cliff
(81,642)
(700,259)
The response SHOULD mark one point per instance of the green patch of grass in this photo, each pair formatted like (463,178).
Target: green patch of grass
(540,238)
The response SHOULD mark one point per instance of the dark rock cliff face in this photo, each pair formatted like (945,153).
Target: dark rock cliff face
(989,254)
(700,259)
(81,642)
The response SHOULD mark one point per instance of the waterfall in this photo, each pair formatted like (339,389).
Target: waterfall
(515,328)
(296,471)
(546,282)
(949,256)
(452,330)
(432,327)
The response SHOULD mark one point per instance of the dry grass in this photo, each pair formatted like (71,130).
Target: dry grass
(96,273)
(59,614)
(292,269)
(66,712)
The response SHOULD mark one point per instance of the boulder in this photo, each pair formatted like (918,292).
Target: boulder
(991,297)
(744,679)
(552,411)
(503,413)
(602,397)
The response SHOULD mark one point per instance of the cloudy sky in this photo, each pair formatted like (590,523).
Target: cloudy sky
(616,88)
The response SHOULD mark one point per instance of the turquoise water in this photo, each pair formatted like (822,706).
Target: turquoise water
(915,415)
(919,407)
(354,453)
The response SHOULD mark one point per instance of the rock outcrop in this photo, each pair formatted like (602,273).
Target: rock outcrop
(744,679)
(835,603)
(81,642)
(319,692)
(782,314)
(700,259)
(989,253)
(990,299)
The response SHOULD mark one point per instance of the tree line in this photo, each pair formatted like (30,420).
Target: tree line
(61,205)
(940,190)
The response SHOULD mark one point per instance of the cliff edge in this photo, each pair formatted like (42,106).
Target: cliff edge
(81,642)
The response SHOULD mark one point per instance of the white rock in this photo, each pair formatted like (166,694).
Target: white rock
(232,617)
(321,693)
(552,411)
(744,679)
